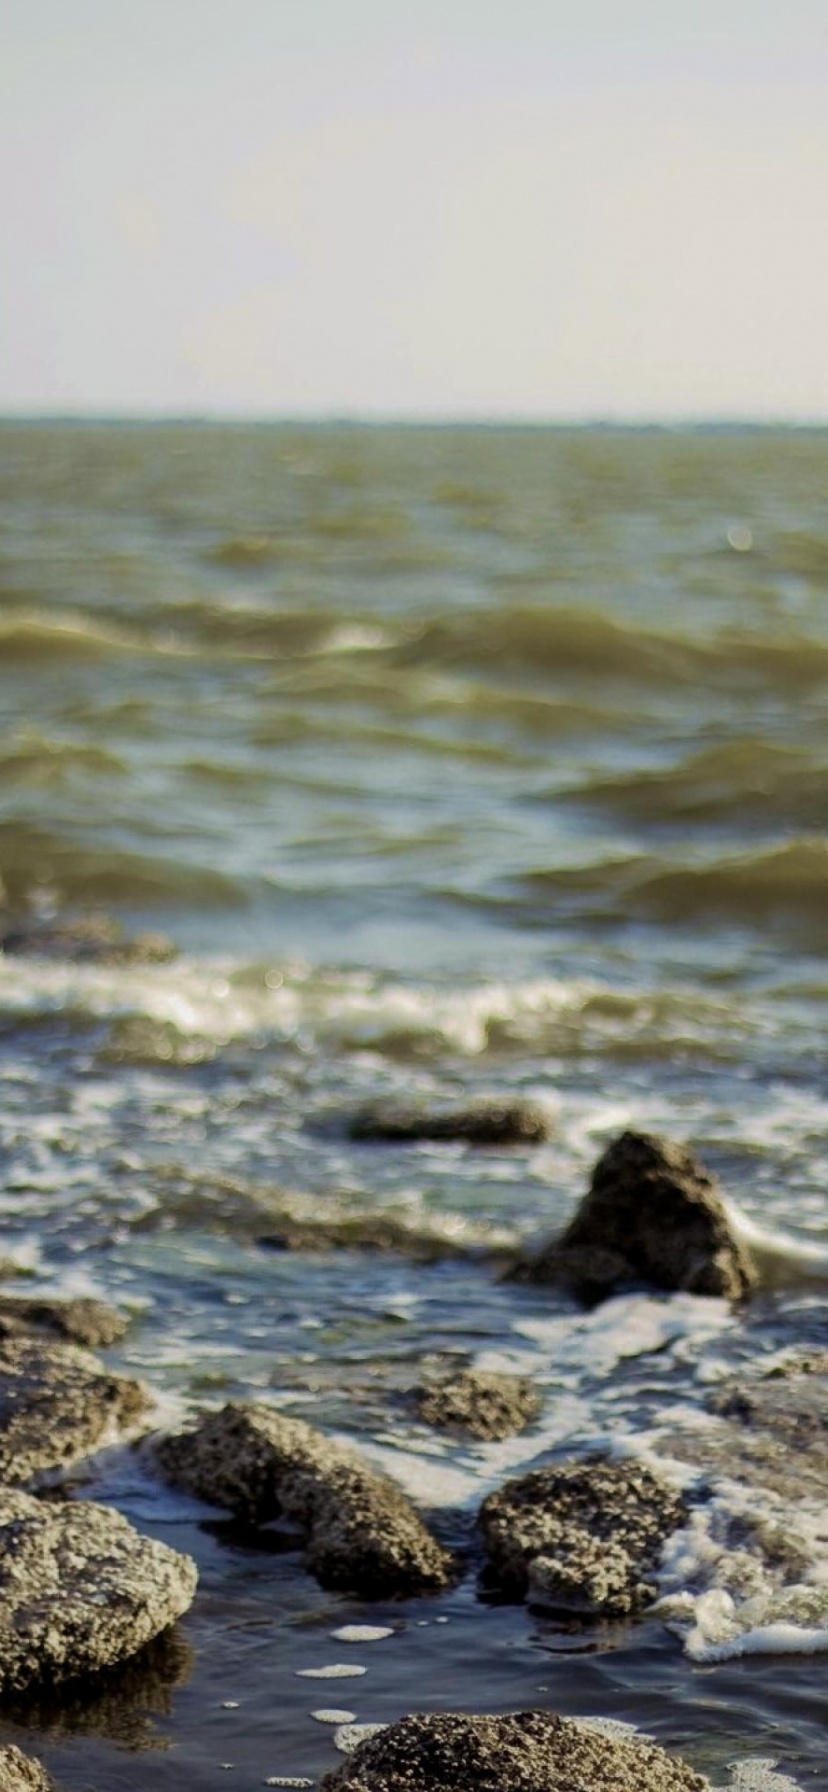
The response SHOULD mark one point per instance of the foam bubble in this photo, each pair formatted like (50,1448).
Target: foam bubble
(361,1633)
(338,1670)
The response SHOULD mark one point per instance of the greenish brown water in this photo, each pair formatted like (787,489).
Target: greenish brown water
(454,760)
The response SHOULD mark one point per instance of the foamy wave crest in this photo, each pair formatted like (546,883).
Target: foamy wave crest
(216,1002)
(780,1257)
(748,1576)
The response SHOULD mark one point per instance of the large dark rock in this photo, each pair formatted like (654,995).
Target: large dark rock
(478,1403)
(582,1537)
(652,1215)
(20,1773)
(528,1751)
(56,1404)
(80,1590)
(81,1320)
(361,1533)
(488,1121)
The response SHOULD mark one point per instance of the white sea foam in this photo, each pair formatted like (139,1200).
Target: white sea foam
(338,1670)
(361,1633)
(759,1775)
(777,1251)
(748,1575)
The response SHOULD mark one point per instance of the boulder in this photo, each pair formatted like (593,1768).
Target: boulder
(488,1121)
(581,1537)
(652,1215)
(361,1533)
(56,1404)
(528,1751)
(478,1403)
(81,1320)
(19,1773)
(80,1590)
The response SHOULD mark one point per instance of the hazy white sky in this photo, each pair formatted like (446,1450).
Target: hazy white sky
(452,207)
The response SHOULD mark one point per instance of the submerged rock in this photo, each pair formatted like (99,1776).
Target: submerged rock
(81,1320)
(361,1533)
(80,1590)
(653,1215)
(56,1404)
(85,939)
(528,1751)
(582,1537)
(484,1122)
(20,1773)
(481,1404)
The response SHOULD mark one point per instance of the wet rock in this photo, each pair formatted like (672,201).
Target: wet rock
(652,1215)
(528,1751)
(82,1321)
(20,1773)
(85,939)
(361,1533)
(485,1122)
(80,1590)
(480,1404)
(778,1414)
(56,1404)
(582,1537)
(378,1234)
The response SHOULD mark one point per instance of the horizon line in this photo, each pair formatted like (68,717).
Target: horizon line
(419,420)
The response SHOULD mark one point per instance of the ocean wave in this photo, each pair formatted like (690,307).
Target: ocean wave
(32,635)
(784,884)
(743,780)
(44,761)
(71,872)
(589,642)
(191,1009)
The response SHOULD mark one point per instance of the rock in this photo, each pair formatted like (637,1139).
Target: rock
(528,1751)
(56,1404)
(582,1536)
(80,1590)
(379,1234)
(81,1320)
(484,1122)
(19,1773)
(85,939)
(483,1405)
(652,1215)
(361,1533)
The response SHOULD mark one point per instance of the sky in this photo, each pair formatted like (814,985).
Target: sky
(546,209)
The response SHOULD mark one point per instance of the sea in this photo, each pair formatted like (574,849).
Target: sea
(455,761)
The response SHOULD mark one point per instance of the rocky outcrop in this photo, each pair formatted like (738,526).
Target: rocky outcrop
(81,1320)
(484,1122)
(19,1773)
(478,1404)
(528,1751)
(361,1534)
(57,1403)
(80,1590)
(84,939)
(652,1215)
(582,1537)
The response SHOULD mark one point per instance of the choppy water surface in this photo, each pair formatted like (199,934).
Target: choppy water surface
(454,761)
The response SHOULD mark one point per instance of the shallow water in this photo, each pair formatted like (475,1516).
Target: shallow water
(454,761)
